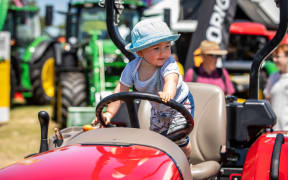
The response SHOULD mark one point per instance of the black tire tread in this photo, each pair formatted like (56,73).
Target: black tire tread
(73,93)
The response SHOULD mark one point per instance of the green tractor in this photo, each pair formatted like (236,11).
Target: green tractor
(32,55)
(91,64)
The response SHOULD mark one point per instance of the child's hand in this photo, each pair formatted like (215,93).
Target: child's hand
(107,116)
(165,96)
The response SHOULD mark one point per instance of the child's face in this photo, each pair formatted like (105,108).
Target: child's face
(157,54)
(281,60)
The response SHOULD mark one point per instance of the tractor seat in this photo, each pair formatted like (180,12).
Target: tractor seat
(209,132)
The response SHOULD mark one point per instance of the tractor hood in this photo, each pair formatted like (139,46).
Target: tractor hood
(95,162)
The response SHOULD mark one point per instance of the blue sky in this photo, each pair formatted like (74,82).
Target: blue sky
(60,5)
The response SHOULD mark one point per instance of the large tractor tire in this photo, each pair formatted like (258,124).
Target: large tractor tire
(42,78)
(71,91)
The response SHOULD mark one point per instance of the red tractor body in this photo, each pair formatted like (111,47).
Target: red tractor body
(95,162)
(258,160)
(247,28)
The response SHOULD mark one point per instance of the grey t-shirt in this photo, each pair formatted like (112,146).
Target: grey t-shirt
(279,102)
(273,78)
(129,77)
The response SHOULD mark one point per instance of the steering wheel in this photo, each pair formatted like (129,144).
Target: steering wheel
(130,97)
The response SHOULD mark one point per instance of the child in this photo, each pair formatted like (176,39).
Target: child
(155,71)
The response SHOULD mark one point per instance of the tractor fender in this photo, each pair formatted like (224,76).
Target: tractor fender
(267,157)
(43,47)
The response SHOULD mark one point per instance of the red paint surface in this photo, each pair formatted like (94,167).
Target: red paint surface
(94,162)
(248,28)
(252,28)
(258,159)
(271,34)
(234,175)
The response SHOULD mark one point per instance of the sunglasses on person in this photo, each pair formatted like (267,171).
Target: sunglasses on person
(214,56)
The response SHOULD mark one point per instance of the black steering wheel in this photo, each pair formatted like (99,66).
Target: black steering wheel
(130,97)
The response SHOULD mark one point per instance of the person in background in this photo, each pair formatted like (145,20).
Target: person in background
(277,88)
(155,71)
(208,72)
(272,79)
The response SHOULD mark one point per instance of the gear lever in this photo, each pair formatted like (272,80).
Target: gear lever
(43,117)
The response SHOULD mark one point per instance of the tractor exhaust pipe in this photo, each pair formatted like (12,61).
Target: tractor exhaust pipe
(43,117)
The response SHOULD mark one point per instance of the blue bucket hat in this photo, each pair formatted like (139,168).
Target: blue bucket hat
(147,33)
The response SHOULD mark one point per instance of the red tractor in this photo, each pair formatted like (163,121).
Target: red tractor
(229,140)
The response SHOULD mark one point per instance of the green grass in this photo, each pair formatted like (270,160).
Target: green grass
(20,136)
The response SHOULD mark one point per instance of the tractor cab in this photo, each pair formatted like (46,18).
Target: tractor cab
(85,18)
(86,31)
(23,23)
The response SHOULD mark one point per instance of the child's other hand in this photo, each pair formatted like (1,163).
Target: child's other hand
(107,116)
(165,96)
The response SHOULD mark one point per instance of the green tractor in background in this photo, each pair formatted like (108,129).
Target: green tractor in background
(32,55)
(91,64)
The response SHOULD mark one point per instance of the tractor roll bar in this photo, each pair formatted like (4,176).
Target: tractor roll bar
(113,30)
(268,49)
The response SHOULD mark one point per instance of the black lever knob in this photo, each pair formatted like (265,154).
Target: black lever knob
(43,117)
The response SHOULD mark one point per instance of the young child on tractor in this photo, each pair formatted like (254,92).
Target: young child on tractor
(155,71)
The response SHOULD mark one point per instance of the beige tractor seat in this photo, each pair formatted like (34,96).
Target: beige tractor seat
(209,132)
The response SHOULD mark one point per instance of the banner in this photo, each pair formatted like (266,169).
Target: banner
(214,19)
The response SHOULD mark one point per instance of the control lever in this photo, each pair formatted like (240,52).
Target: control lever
(43,117)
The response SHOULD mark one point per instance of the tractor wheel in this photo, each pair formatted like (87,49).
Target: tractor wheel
(71,91)
(42,78)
